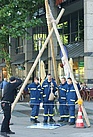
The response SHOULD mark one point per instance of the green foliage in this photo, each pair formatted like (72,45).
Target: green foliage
(16,16)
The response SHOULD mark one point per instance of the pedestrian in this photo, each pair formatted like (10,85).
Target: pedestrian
(63,108)
(83,86)
(48,85)
(6,101)
(4,82)
(35,99)
(71,99)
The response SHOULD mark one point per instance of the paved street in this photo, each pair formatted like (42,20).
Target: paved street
(20,120)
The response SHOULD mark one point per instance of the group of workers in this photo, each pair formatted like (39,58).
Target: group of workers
(65,93)
(45,93)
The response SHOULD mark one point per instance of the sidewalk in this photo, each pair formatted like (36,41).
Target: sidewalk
(23,108)
(88,105)
(21,119)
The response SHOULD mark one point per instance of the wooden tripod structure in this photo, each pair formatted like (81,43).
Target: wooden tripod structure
(50,19)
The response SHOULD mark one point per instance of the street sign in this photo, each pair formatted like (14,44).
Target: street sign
(81,64)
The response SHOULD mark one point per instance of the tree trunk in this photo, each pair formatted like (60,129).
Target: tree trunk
(8,67)
(7,61)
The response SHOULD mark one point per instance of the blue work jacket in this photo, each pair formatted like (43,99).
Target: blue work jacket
(71,94)
(46,88)
(35,93)
(62,92)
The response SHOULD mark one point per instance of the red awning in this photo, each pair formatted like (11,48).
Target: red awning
(59,1)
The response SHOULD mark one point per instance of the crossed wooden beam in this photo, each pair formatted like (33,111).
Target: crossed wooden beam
(51,20)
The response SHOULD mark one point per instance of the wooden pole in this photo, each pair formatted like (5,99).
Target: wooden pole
(71,74)
(35,63)
(51,41)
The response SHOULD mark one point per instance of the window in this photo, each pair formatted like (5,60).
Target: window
(64,32)
(39,33)
(19,45)
(72,29)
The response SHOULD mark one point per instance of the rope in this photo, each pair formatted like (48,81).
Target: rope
(54,104)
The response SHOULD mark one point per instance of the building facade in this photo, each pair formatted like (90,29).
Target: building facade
(78,17)
(75,29)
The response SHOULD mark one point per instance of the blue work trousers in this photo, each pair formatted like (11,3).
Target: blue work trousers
(35,112)
(64,112)
(48,110)
(72,113)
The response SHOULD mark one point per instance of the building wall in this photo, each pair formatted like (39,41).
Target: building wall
(71,29)
(71,8)
(28,50)
(88,41)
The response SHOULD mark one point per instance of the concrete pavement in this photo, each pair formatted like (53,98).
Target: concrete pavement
(20,118)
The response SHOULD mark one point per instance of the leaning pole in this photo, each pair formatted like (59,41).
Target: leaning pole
(51,43)
(69,68)
(36,61)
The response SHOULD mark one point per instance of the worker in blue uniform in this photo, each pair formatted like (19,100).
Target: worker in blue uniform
(63,108)
(35,99)
(48,85)
(71,99)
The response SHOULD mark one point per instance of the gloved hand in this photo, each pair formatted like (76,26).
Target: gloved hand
(79,101)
